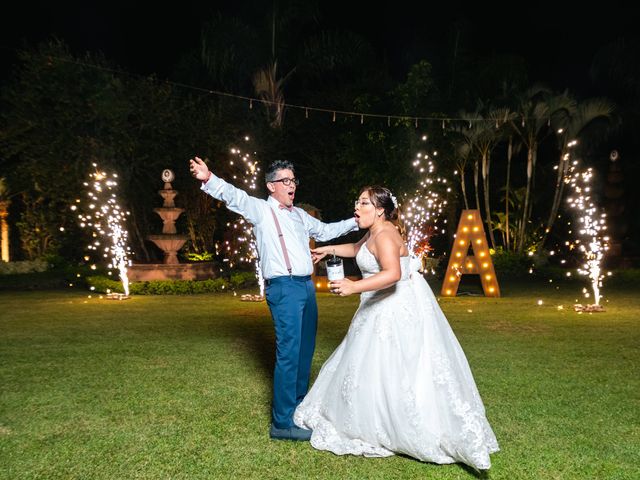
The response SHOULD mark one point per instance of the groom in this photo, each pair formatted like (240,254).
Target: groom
(282,234)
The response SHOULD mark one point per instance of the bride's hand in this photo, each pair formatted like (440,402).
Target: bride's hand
(343,287)
(318,254)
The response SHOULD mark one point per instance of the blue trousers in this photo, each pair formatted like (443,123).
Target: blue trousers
(292,301)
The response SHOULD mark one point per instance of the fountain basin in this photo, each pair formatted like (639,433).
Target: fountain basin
(141,272)
(169,217)
(169,244)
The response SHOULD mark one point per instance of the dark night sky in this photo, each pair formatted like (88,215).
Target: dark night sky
(557,42)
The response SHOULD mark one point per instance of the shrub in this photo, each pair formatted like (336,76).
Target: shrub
(200,257)
(243,280)
(101,284)
(511,264)
(434,266)
(628,276)
(27,266)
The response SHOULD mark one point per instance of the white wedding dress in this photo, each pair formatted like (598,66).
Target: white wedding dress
(399,382)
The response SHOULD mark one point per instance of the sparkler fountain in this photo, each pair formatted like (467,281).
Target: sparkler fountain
(421,209)
(244,250)
(106,219)
(591,229)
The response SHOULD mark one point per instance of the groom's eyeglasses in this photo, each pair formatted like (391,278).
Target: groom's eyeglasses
(287,181)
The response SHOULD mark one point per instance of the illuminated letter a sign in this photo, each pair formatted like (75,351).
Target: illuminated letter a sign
(470,233)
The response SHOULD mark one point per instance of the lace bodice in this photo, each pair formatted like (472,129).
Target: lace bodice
(369,265)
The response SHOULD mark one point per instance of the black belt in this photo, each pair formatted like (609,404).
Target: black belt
(284,278)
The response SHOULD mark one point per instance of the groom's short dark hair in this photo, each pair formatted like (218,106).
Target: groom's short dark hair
(270,174)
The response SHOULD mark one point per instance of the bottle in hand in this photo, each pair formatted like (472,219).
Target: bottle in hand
(335,270)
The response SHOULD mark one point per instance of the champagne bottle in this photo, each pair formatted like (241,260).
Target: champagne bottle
(335,270)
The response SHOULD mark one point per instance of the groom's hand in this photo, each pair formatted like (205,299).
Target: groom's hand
(317,254)
(199,169)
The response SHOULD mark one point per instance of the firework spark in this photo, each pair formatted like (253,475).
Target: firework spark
(421,210)
(245,250)
(106,219)
(590,239)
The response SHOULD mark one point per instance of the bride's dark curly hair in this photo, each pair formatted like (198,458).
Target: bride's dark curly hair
(381,197)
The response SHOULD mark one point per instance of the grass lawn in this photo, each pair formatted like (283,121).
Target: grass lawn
(180,387)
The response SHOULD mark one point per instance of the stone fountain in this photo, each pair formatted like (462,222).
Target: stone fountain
(170,242)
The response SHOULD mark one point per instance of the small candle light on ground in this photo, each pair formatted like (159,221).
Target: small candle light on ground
(248,297)
(117,296)
(578,307)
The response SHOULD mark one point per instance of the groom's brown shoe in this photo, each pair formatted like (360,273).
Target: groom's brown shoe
(292,433)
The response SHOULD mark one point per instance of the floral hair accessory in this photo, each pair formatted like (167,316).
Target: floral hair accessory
(394,200)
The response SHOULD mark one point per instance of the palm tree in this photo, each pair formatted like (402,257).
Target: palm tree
(513,148)
(570,124)
(494,132)
(270,53)
(482,137)
(534,114)
(462,150)
(270,89)
(470,133)
(230,50)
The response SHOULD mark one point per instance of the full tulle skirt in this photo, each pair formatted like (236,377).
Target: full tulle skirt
(399,383)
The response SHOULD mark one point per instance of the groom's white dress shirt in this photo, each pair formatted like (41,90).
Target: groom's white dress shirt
(296,224)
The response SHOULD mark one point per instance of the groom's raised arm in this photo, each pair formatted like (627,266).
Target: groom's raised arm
(237,200)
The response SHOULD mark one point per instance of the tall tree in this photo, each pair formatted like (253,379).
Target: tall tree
(530,125)
(570,122)
(482,136)
(271,49)
(60,115)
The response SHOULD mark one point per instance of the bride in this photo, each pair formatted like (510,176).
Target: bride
(399,382)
